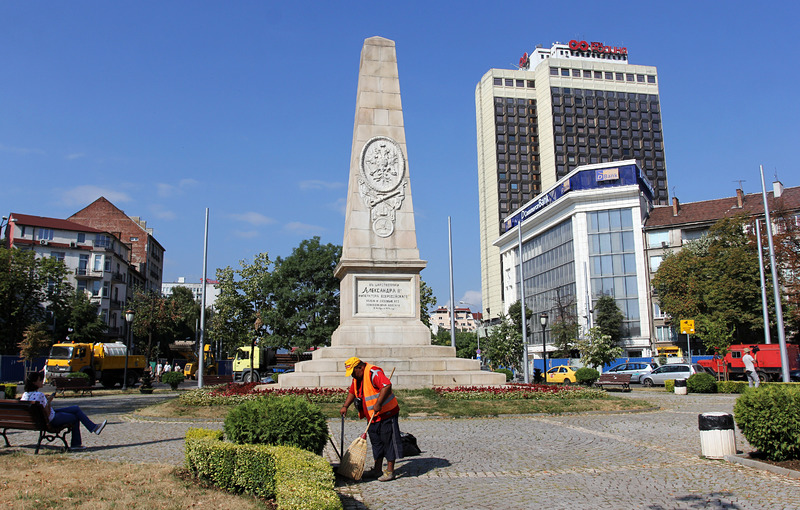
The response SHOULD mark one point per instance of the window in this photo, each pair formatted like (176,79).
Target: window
(98,263)
(618,76)
(651,79)
(553,71)
(658,239)
(44,233)
(655,261)
(81,237)
(609,76)
(57,255)
(520,83)
(498,81)
(134,239)
(509,82)
(692,235)
(565,72)
(102,241)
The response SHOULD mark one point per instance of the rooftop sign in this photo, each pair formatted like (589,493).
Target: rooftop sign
(596,47)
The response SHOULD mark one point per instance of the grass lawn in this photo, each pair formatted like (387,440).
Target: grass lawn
(54,480)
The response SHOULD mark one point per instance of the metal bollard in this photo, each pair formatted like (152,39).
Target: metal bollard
(717,437)
(680,387)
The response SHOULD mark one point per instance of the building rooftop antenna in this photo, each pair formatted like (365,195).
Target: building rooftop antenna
(740,181)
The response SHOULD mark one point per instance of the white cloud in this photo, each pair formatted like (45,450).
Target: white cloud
(473,299)
(19,150)
(246,234)
(166,190)
(163,214)
(314,184)
(339,206)
(303,228)
(253,218)
(85,195)
(77,155)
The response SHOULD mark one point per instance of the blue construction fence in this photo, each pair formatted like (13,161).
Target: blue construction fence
(12,368)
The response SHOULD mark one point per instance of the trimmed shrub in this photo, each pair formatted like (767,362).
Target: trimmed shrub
(669,385)
(509,373)
(296,478)
(9,390)
(173,379)
(731,386)
(77,375)
(701,383)
(769,419)
(290,421)
(587,375)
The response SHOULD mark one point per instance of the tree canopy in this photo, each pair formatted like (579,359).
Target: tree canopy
(27,286)
(715,281)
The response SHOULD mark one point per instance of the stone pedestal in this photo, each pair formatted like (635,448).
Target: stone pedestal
(380,265)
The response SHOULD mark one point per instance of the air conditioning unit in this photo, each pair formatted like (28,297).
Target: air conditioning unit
(44,242)
(73,244)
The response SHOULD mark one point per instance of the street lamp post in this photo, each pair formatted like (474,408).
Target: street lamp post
(543,322)
(477,332)
(129,321)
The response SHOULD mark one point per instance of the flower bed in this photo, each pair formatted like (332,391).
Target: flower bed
(236,393)
(519,392)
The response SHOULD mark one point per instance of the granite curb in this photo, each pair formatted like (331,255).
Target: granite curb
(744,460)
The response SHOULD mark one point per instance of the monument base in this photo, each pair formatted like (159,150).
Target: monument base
(416,366)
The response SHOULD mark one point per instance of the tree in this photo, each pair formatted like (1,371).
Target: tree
(244,297)
(515,314)
(84,324)
(504,345)
(609,318)
(34,341)
(303,296)
(27,285)
(184,312)
(598,349)
(151,318)
(565,328)
(716,280)
(427,301)
(786,240)
(466,342)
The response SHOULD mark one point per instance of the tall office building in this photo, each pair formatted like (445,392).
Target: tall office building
(569,105)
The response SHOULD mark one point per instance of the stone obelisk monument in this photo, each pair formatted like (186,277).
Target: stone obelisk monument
(380,264)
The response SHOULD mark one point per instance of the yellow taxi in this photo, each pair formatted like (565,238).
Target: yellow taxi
(562,374)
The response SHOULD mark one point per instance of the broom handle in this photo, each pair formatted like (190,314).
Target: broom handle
(373,414)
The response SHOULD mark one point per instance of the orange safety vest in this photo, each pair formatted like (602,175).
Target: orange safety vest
(370,395)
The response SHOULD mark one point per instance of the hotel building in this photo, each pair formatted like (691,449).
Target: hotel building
(572,104)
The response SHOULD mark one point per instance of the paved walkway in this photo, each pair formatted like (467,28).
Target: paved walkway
(645,460)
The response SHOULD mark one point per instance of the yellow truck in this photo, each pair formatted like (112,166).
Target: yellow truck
(102,362)
(188,350)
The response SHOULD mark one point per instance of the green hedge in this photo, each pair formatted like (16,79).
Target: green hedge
(701,383)
(669,385)
(587,376)
(9,390)
(172,378)
(509,374)
(296,478)
(77,375)
(769,418)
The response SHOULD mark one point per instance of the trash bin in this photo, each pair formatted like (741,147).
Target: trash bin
(717,437)
(680,387)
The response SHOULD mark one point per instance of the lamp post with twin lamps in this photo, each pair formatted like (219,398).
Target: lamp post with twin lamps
(129,320)
(543,322)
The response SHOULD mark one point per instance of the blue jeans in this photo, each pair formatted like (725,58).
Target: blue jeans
(73,415)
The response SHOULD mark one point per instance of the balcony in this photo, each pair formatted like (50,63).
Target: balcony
(87,273)
(118,277)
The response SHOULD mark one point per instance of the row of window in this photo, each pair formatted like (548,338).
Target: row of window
(602,75)
(514,82)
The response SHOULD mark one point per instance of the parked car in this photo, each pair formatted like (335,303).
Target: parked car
(673,371)
(637,370)
(562,374)
(794,376)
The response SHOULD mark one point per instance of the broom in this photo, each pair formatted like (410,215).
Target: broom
(352,463)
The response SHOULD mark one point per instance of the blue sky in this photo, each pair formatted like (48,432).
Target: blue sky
(166,108)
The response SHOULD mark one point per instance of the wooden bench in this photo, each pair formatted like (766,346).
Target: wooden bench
(623,380)
(74,384)
(25,415)
(213,380)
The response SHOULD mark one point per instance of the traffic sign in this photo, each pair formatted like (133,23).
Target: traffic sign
(687,327)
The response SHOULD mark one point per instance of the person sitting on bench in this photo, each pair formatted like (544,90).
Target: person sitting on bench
(58,417)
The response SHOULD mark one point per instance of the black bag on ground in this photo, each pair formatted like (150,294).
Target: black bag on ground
(410,448)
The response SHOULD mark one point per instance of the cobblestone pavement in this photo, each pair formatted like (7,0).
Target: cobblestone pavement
(648,460)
